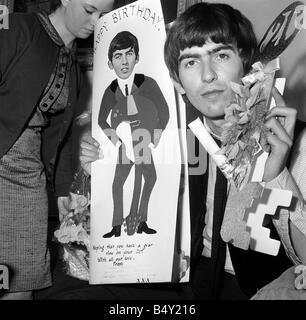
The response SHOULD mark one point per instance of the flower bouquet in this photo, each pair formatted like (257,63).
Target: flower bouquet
(74,229)
(244,134)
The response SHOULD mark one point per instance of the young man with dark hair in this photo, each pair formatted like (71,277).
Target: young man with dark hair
(209,46)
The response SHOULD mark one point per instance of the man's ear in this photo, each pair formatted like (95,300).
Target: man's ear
(65,2)
(110,65)
(178,86)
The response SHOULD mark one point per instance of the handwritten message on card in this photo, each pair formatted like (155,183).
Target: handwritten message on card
(119,254)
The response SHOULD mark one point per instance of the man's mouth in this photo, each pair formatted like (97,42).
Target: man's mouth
(212,94)
(124,70)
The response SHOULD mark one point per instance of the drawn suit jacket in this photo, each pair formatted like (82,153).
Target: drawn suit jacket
(153,111)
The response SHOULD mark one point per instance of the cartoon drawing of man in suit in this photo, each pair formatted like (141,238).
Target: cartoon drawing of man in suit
(137,101)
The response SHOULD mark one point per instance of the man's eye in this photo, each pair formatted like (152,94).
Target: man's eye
(222,56)
(190,63)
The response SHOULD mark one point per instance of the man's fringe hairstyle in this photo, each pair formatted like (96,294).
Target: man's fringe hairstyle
(202,22)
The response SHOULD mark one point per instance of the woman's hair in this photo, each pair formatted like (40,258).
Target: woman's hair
(54,4)
(216,22)
(121,3)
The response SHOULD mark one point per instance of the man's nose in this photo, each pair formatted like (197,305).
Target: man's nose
(124,59)
(208,72)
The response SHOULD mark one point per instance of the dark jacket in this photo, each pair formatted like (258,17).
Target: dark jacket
(153,111)
(27,60)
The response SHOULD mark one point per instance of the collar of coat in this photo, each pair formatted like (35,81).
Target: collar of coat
(53,34)
(138,81)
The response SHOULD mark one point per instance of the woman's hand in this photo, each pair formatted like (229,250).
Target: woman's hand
(63,207)
(281,122)
(90,151)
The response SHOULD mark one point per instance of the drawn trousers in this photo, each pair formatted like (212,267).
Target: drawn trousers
(142,191)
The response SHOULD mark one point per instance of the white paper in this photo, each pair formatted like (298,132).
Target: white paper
(137,258)
(199,130)
(260,236)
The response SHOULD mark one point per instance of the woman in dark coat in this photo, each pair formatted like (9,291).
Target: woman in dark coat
(39,87)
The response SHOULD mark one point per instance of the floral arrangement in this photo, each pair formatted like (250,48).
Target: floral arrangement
(74,229)
(244,134)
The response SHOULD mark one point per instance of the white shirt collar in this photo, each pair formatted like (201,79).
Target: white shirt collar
(209,130)
(129,81)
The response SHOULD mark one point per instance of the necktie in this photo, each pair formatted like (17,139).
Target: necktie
(131,105)
(218,252)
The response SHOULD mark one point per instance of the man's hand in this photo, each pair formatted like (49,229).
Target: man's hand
(281,122)
(63,207)
(90,151)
